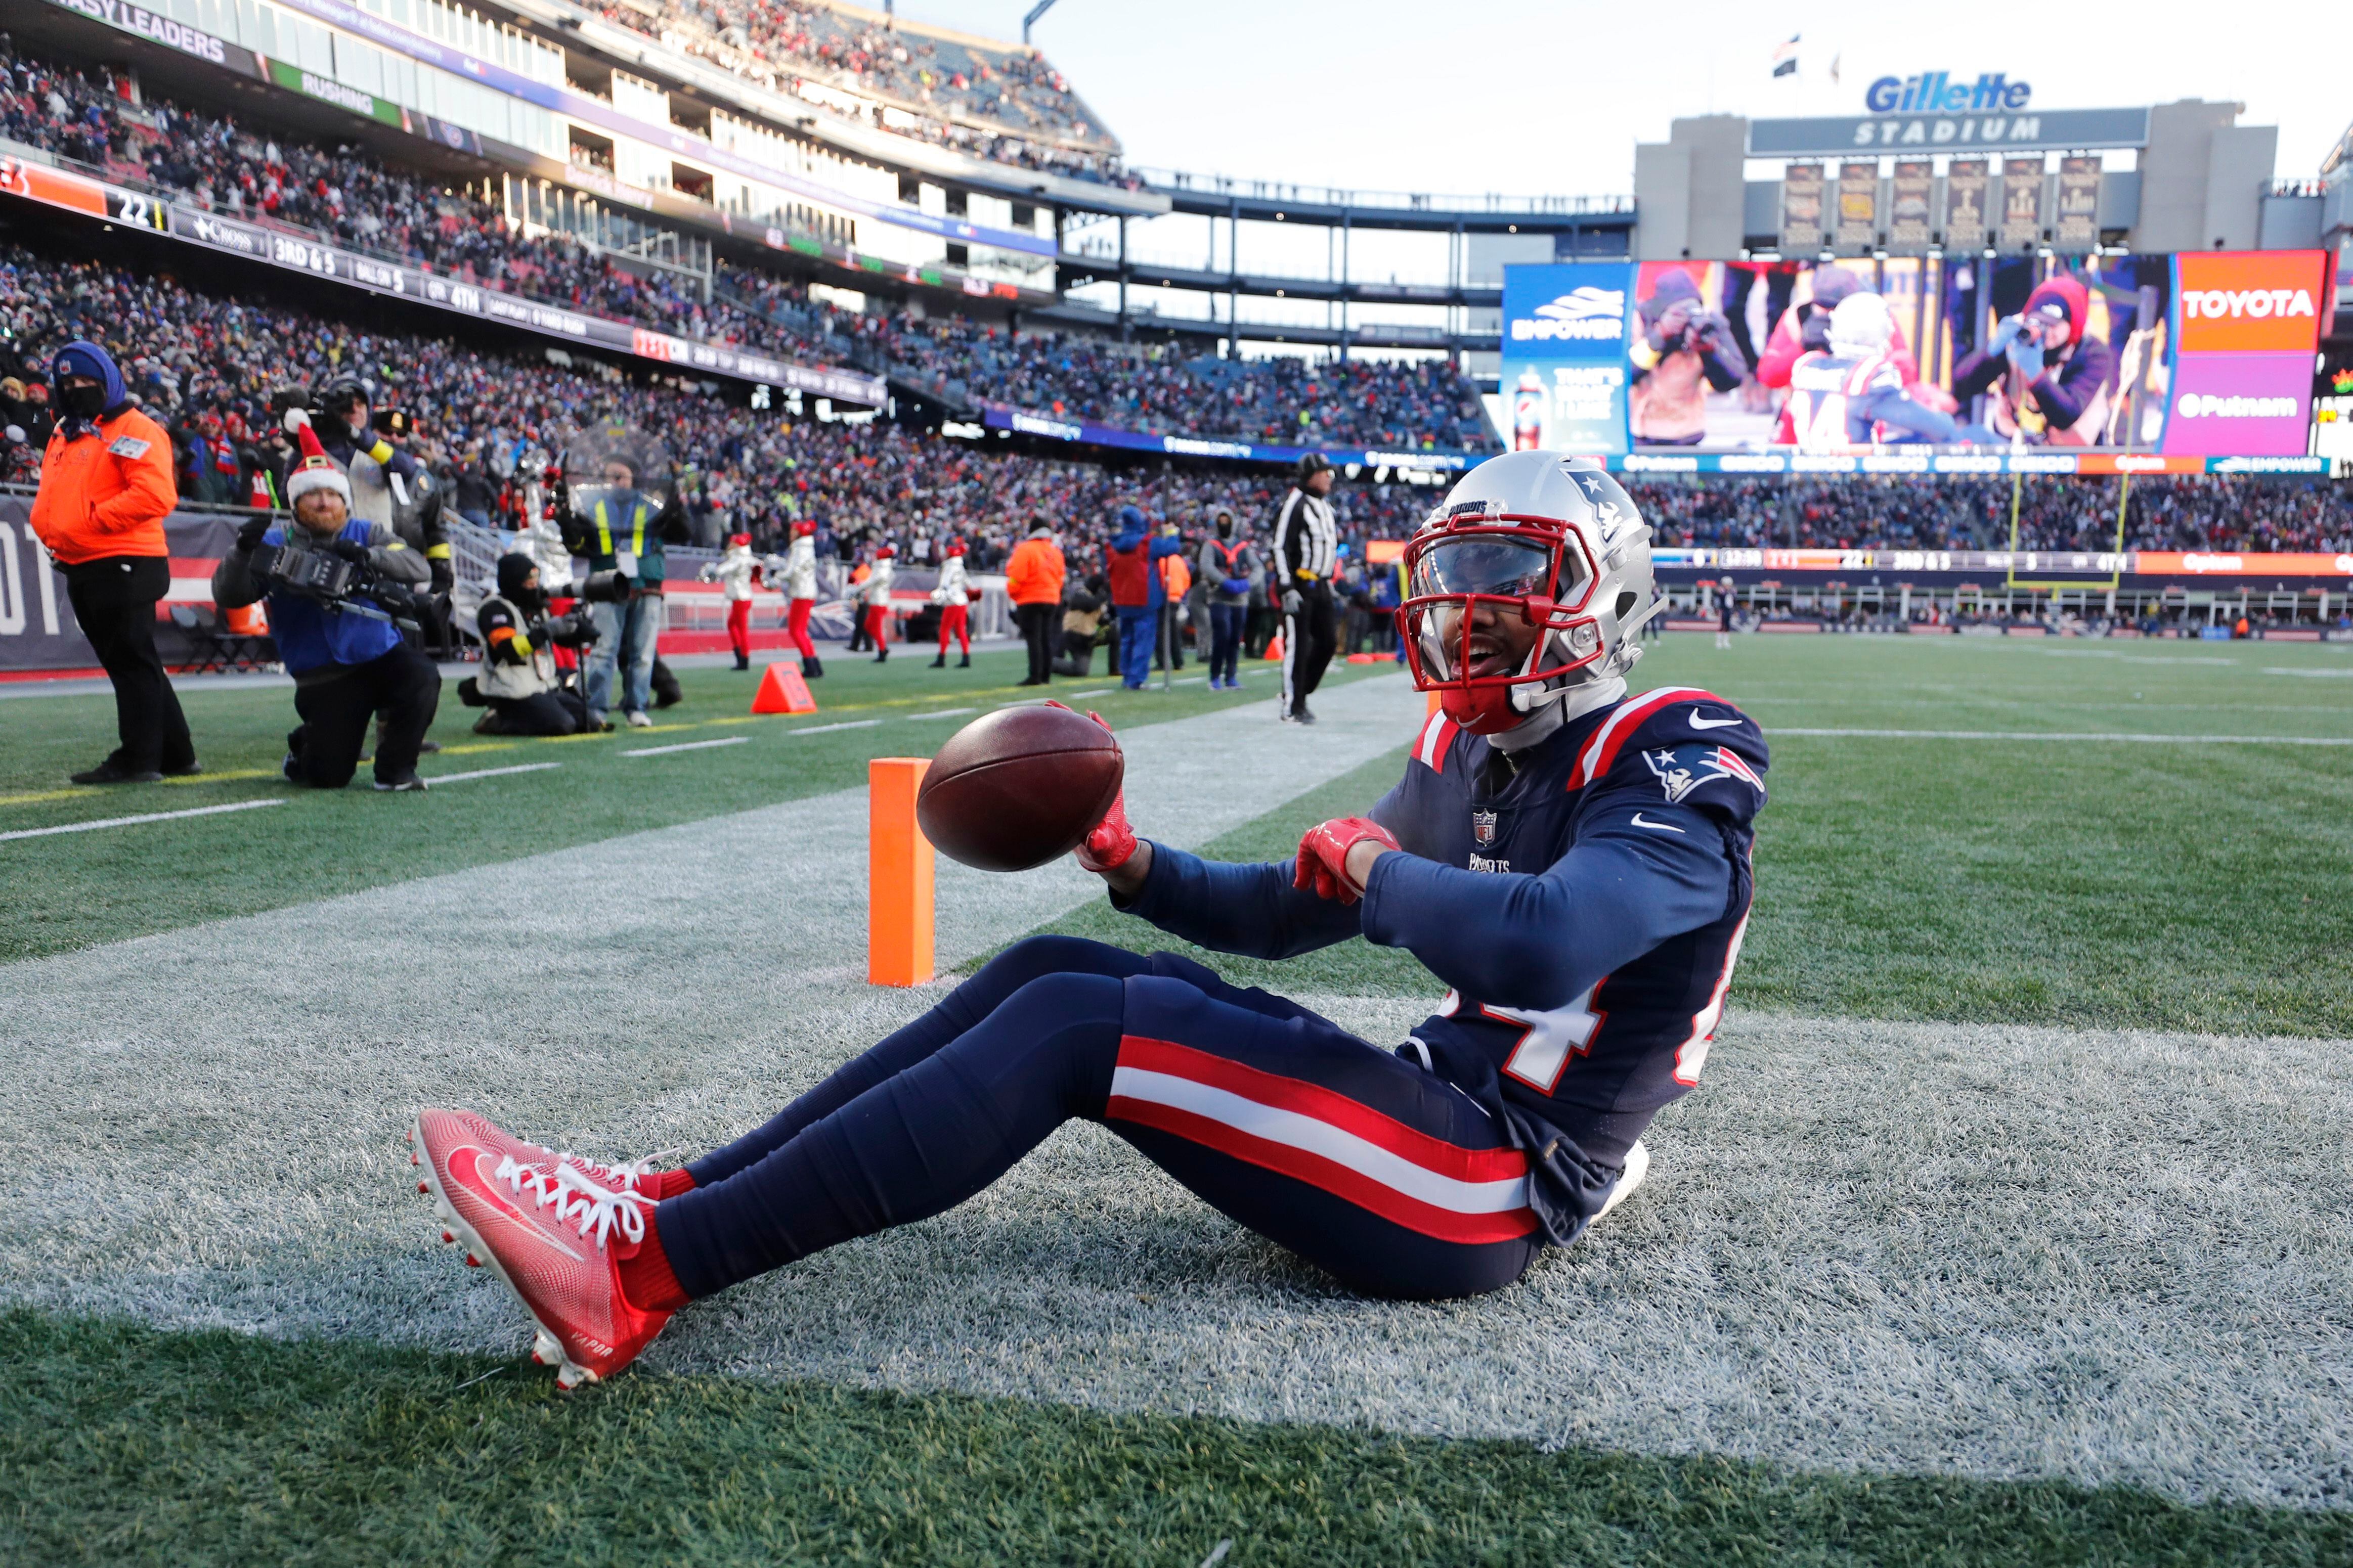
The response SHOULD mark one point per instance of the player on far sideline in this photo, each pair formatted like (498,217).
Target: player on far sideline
(1571,862)
(953,597)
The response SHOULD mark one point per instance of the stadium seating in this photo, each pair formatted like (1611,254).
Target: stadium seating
(360,201)
(204,364)
(1005,105)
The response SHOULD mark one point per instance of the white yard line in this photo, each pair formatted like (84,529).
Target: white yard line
(489,773)
(941,713)
(134,821)
(2069,736)
(829,729)
(687,746)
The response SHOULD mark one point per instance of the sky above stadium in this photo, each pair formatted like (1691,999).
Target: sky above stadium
(1478,96)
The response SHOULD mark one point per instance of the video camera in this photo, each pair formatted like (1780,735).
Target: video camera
(334,574)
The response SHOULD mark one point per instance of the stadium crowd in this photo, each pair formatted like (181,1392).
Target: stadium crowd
(2209,511)
(353,198)
(1418,404)
(1007,106)
(205,366)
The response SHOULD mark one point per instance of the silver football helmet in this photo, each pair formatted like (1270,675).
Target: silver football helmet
(1545,536)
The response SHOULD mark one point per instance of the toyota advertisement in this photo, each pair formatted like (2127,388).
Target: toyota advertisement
(2203,355)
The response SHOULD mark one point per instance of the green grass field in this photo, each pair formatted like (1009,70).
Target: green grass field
(1962,875)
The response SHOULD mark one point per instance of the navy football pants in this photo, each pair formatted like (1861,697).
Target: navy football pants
(1351,1157)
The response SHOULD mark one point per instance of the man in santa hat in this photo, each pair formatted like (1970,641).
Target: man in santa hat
(346,656)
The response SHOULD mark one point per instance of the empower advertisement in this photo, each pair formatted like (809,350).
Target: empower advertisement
(1565,372)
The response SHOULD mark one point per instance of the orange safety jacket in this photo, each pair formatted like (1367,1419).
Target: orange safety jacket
(106,493)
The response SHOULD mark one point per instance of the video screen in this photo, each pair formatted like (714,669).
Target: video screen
(2203,355)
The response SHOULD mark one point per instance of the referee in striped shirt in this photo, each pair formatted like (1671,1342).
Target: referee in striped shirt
(1306,543)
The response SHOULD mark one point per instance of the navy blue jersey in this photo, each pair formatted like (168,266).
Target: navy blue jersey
(1584,900)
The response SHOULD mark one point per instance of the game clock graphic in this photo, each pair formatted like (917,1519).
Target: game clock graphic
(1564,370)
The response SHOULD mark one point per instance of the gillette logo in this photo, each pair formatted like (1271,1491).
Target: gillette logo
(1585,313)
(1936,93)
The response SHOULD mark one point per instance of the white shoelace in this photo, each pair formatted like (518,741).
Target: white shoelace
(621,1172)
(579,1199)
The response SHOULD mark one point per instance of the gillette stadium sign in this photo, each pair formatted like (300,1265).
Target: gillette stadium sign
(1936,93)
(1932,113)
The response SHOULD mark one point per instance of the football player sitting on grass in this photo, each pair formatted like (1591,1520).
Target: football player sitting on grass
(1570,863)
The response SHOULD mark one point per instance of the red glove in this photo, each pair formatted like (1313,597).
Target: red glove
(1113,841)
(1324,856)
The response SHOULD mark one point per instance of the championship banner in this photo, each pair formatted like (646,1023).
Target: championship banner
(297,251)
(2021,203)
(1565,372)
(1908,217)
(1802,209)
(2076,228)
(1964,205)
(1858,208)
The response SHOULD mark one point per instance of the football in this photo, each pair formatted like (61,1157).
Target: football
(1019,787)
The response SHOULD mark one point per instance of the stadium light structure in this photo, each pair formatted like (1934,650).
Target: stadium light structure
(1036,11)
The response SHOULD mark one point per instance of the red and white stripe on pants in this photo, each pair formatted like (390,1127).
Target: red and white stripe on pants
(1324,1138)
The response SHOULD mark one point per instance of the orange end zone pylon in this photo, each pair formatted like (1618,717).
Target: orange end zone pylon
(1274,650)
(782,690)
(899,875)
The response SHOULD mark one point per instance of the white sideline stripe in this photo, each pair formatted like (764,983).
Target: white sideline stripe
(1336,1145)
(821,729)
(128,821)
(942,713)
(686,746)
(2282,669)
(1091,692)
(2074,735)
(489,773)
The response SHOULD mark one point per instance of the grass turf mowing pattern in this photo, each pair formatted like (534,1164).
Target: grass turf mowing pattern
(120,1444)
(73,891)
(2078,884)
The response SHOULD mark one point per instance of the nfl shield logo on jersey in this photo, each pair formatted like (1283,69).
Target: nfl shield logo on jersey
(1482,829)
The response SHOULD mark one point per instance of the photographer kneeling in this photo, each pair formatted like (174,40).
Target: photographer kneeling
(334,586)
(518,680)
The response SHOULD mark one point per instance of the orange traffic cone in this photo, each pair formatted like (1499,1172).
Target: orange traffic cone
(782,690)
(1274,651)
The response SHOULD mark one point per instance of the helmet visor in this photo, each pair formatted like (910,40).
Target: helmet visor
(1500,567)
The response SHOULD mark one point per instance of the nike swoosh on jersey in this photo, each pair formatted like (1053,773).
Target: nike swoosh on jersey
(1662,827)
(484,1187)
(1698,723)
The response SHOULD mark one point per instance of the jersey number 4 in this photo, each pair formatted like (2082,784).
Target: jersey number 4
(1549,1039)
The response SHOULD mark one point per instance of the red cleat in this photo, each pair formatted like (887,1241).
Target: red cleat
(551,1231)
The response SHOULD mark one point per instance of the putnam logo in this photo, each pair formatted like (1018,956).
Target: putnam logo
(2206,405)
